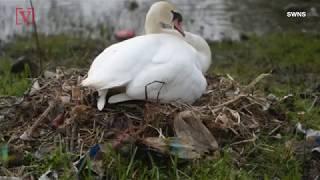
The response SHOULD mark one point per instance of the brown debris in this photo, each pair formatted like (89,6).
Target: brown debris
(190,129)
(27,135)
(226,114)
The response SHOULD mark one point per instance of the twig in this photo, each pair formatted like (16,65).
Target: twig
(313,103)
(41,118)
(244,141)
(27,135)
(274,130)
(256,81)
(159,92)
(229,102)
(37,41)
(146,89)
(74,133)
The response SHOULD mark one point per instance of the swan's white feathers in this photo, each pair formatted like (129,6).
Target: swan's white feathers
(161,65)
(118,64)
(142,60)
(119,98)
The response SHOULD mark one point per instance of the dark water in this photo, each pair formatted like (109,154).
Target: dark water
(213,19)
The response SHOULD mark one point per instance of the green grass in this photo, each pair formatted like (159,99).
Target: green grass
(271,158)
(58,50)
(135,166)
(276,162)
(12,84)
(294,59)
(293,55)
(58,160)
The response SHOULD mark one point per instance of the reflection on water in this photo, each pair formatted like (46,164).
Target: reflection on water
(213,19)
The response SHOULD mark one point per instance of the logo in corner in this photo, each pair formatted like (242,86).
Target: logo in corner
(297,14)
(25,16)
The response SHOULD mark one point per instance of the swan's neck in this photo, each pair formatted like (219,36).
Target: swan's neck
(152,25)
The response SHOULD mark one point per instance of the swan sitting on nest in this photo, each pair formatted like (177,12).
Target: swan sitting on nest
(159,66)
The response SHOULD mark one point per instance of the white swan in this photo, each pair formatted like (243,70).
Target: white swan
(157,66)
(196,41)
(199,44)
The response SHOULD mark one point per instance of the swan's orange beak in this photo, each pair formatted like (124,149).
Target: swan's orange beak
(178,26)
(177,21)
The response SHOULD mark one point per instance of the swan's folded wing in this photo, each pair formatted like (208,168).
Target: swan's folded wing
(173,75)
(152,57)
(119,63)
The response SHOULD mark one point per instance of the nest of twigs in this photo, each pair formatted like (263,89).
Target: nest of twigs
(56,110)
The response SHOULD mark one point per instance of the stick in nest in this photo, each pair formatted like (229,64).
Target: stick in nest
(245,141)
(230,102)
(27,135)
(146,89)
(256,81)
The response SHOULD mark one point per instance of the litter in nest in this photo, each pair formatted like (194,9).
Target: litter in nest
(312,137)
(59,111)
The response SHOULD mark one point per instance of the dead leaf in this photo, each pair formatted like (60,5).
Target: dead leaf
(189,128)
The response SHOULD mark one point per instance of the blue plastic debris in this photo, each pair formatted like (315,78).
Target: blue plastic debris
(94,150)
(88,161)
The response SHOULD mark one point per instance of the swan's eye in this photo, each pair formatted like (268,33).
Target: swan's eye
(176,16)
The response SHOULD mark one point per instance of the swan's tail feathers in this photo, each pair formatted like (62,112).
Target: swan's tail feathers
(102,99)
(119,98)
(102,84)
(87,82)
(94,83)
